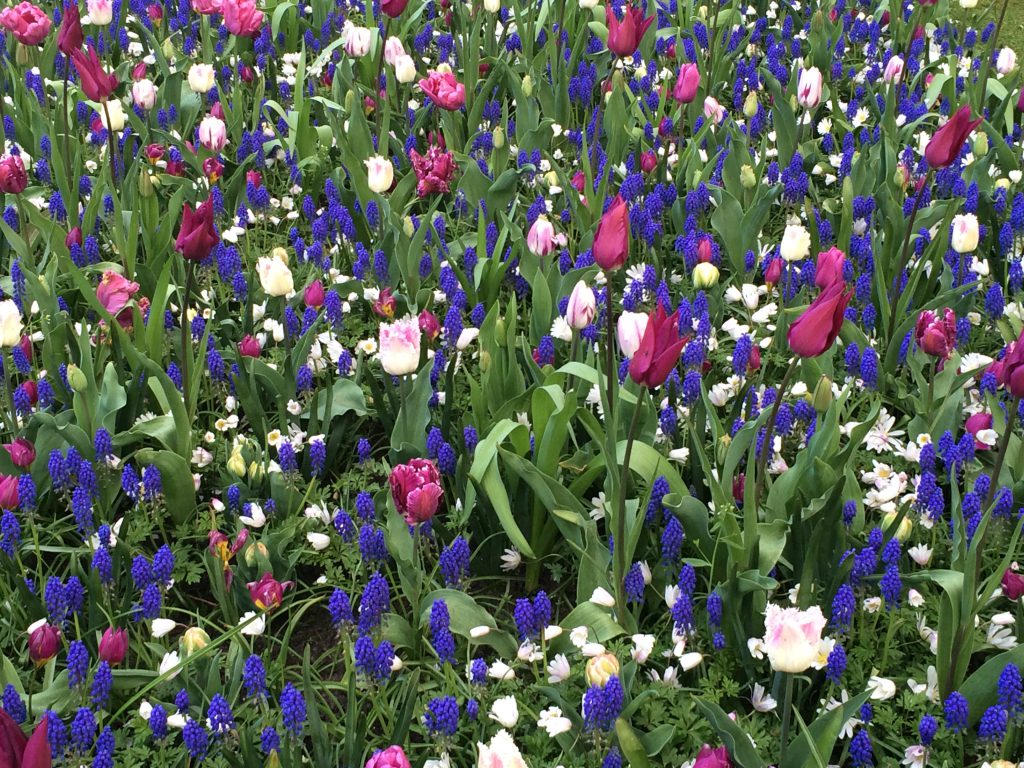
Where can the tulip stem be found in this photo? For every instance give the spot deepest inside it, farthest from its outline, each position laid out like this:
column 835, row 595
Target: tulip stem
column 787, row 713
column 610, row 371
column 894, row 290
column 186, row 336
column 67, row 126
column 619, row 542
column 1003, row 448
column 766, row 447
column 113, row 153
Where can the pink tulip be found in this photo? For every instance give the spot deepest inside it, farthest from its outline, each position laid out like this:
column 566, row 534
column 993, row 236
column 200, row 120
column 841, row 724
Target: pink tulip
column 611, row 241
column 814, row 332
column 43, row 644
column 416, row 490
column 113, row 645
column 710, row 757
column 624, row 36
column 444, row 90
column 935, row 334
column 392, row 757
column 8, row 492
column 314, row 295
column 22, row 452
column 541, row 239
column 268, row 592
column 687, row 84
column 28, row 23
column 829, row 268
column 809, row 87
column 975, row 423
column 115, row 291
column 242, row 18
column 249, row 346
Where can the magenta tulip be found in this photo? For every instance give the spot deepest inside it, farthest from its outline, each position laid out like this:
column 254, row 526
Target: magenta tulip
column 945, row 145
column 611, row 241
column 814, row 332
column 659, row 350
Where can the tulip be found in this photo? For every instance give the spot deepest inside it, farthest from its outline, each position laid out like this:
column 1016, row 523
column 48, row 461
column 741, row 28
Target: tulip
column 380, row 174
column 1006, row 62
column 393, row 48
column 648, row 161
column 113, row 645
column 434, row 170
column 93, row 79
column 829, row 268
column 582, row 307
column 1012, row 584
column 275, row 276
column 12, row 741
column 206, row 7
column 400, row 346
column 385, row 304
column 947, row 142
column 249, row 346
column 541, row 238
column 936, row 335
column 601, row 668
column 792, row 637
column 101, row 12
column 10, row 323
column 37, row 752
column 357, row 41
column 773, row 272
column 705, row 275
column 144, row 94
column 69, row 36
column 611, row 241
column 444, row 90
column 713, row 111
column 893, row 70
column 201, row 78
column 687, row 84
column 630, row 330
column 808, row 89
column 195, row 639
column 505, row 711
column 964, row 233
column 22, row 452
column 27, row 23
column 213, row 169
column 43, row 643
column 977, row 423
column 392, row 757
column 429, row 324
column 1011, row 374
column 112, row 117
column 242, row 17
column 624, row 36
column 659, row 350
column 314, row 295
column 709, row 757
column 115, row 291
column 1020, row 100
column 73, row 237
column 796, row 243
column 416, row 490
column 8, row 492
column 393, row 8
column 814, row 332
column 405, row 69
column 705, row 251
column 268, row 592
column 213, row 134
column 501, row 752
column 197, row 235
column 13, row 178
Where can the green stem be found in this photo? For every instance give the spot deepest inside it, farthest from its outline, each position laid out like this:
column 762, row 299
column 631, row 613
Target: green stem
column 186, row 336
column 766, row 448
column 787, row 713
column 1001, row 456
column 988, row 64
column 894, row 289
column 610, row 372
column 620, row 513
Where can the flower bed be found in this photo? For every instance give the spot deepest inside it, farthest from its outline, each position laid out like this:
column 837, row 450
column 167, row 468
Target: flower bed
column 511, row 384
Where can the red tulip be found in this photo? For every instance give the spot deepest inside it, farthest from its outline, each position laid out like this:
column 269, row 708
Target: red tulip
column 268, row 592
column 1013, row 584
column 69, row 36
column 12, row 741
column 31, row 391
column 8, row 492
column 444, row 90
column 624, row 36
column 37, row 752
column 314, row 295
column 26, row 346
column 393, row 8
column 1020, row 100
column 687, row 84
column 945, row 145
column 113, row 646
column 936, row 335
column 13, row 178
column 429, row 324
column 385, row 304
column 197, row 235
column 94, row 80
column 213, row 169
column 1011, row 374
column 829, row 268
column 43, row 644
column 659, row 350
column 648, row 161
column 249, row 346
column 814, row 332
column 434, row 170
column 416, row 490
column 611, row 241
column 22, row 452
column 74, row 237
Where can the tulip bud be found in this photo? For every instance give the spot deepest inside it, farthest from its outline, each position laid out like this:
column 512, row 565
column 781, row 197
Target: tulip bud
column 255, row 553
column 194, row 639
column 980, row 144
column 21, row 54
column 146, row 188
column 722, row 448
column 747, row 178
column 236, row 464
column 527, row 86
column 750, row 105
column 498, row 139
column 407, row 227
column 485, row 360
column 705, row 275
column 818, row 22
column 600, row 668
column 905, row 528
column 822, row 398
column 113, row 646
column 77, row 379
column 255, row 472
column 43, row 644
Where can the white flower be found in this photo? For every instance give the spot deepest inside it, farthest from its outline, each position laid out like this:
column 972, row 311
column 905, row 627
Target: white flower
column 579, row 636
column 551, row 632
column 881, row 436
column 881, row 688
column 482, row 631
column 558, row 669
column 160, row 627
column 170, row 661
column 915, row 598
column 762, row 701
column 692, row 660
column 920, row 554
column 499, row 670
column 319, row 541
column 796, row 243
column 593, row 649
column 914, row 756
column 505, row 711
column 1001, row 637
column 930, row 688
column 254, row 516
column 597, row 512
column 511, row 559
column 643, row 645
column 872, row 604
column 552, row 721
column 252, row 623
column 529, row 652
column 603, row 597
column 667, row 678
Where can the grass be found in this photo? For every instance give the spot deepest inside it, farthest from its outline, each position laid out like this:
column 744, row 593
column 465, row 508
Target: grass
column 1012, row 34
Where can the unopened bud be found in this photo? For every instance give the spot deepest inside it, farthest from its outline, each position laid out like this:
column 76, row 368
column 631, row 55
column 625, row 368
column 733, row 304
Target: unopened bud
column 747, row 177
column 76, row 378
column 822, row 395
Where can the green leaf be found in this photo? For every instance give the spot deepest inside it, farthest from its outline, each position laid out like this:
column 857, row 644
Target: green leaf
column 821, row 735
column 484, row 473
column 980, row 689
column 735, row 738
column 176, row 476
column 345, row 396
column 466, row 614
column 631, row 746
